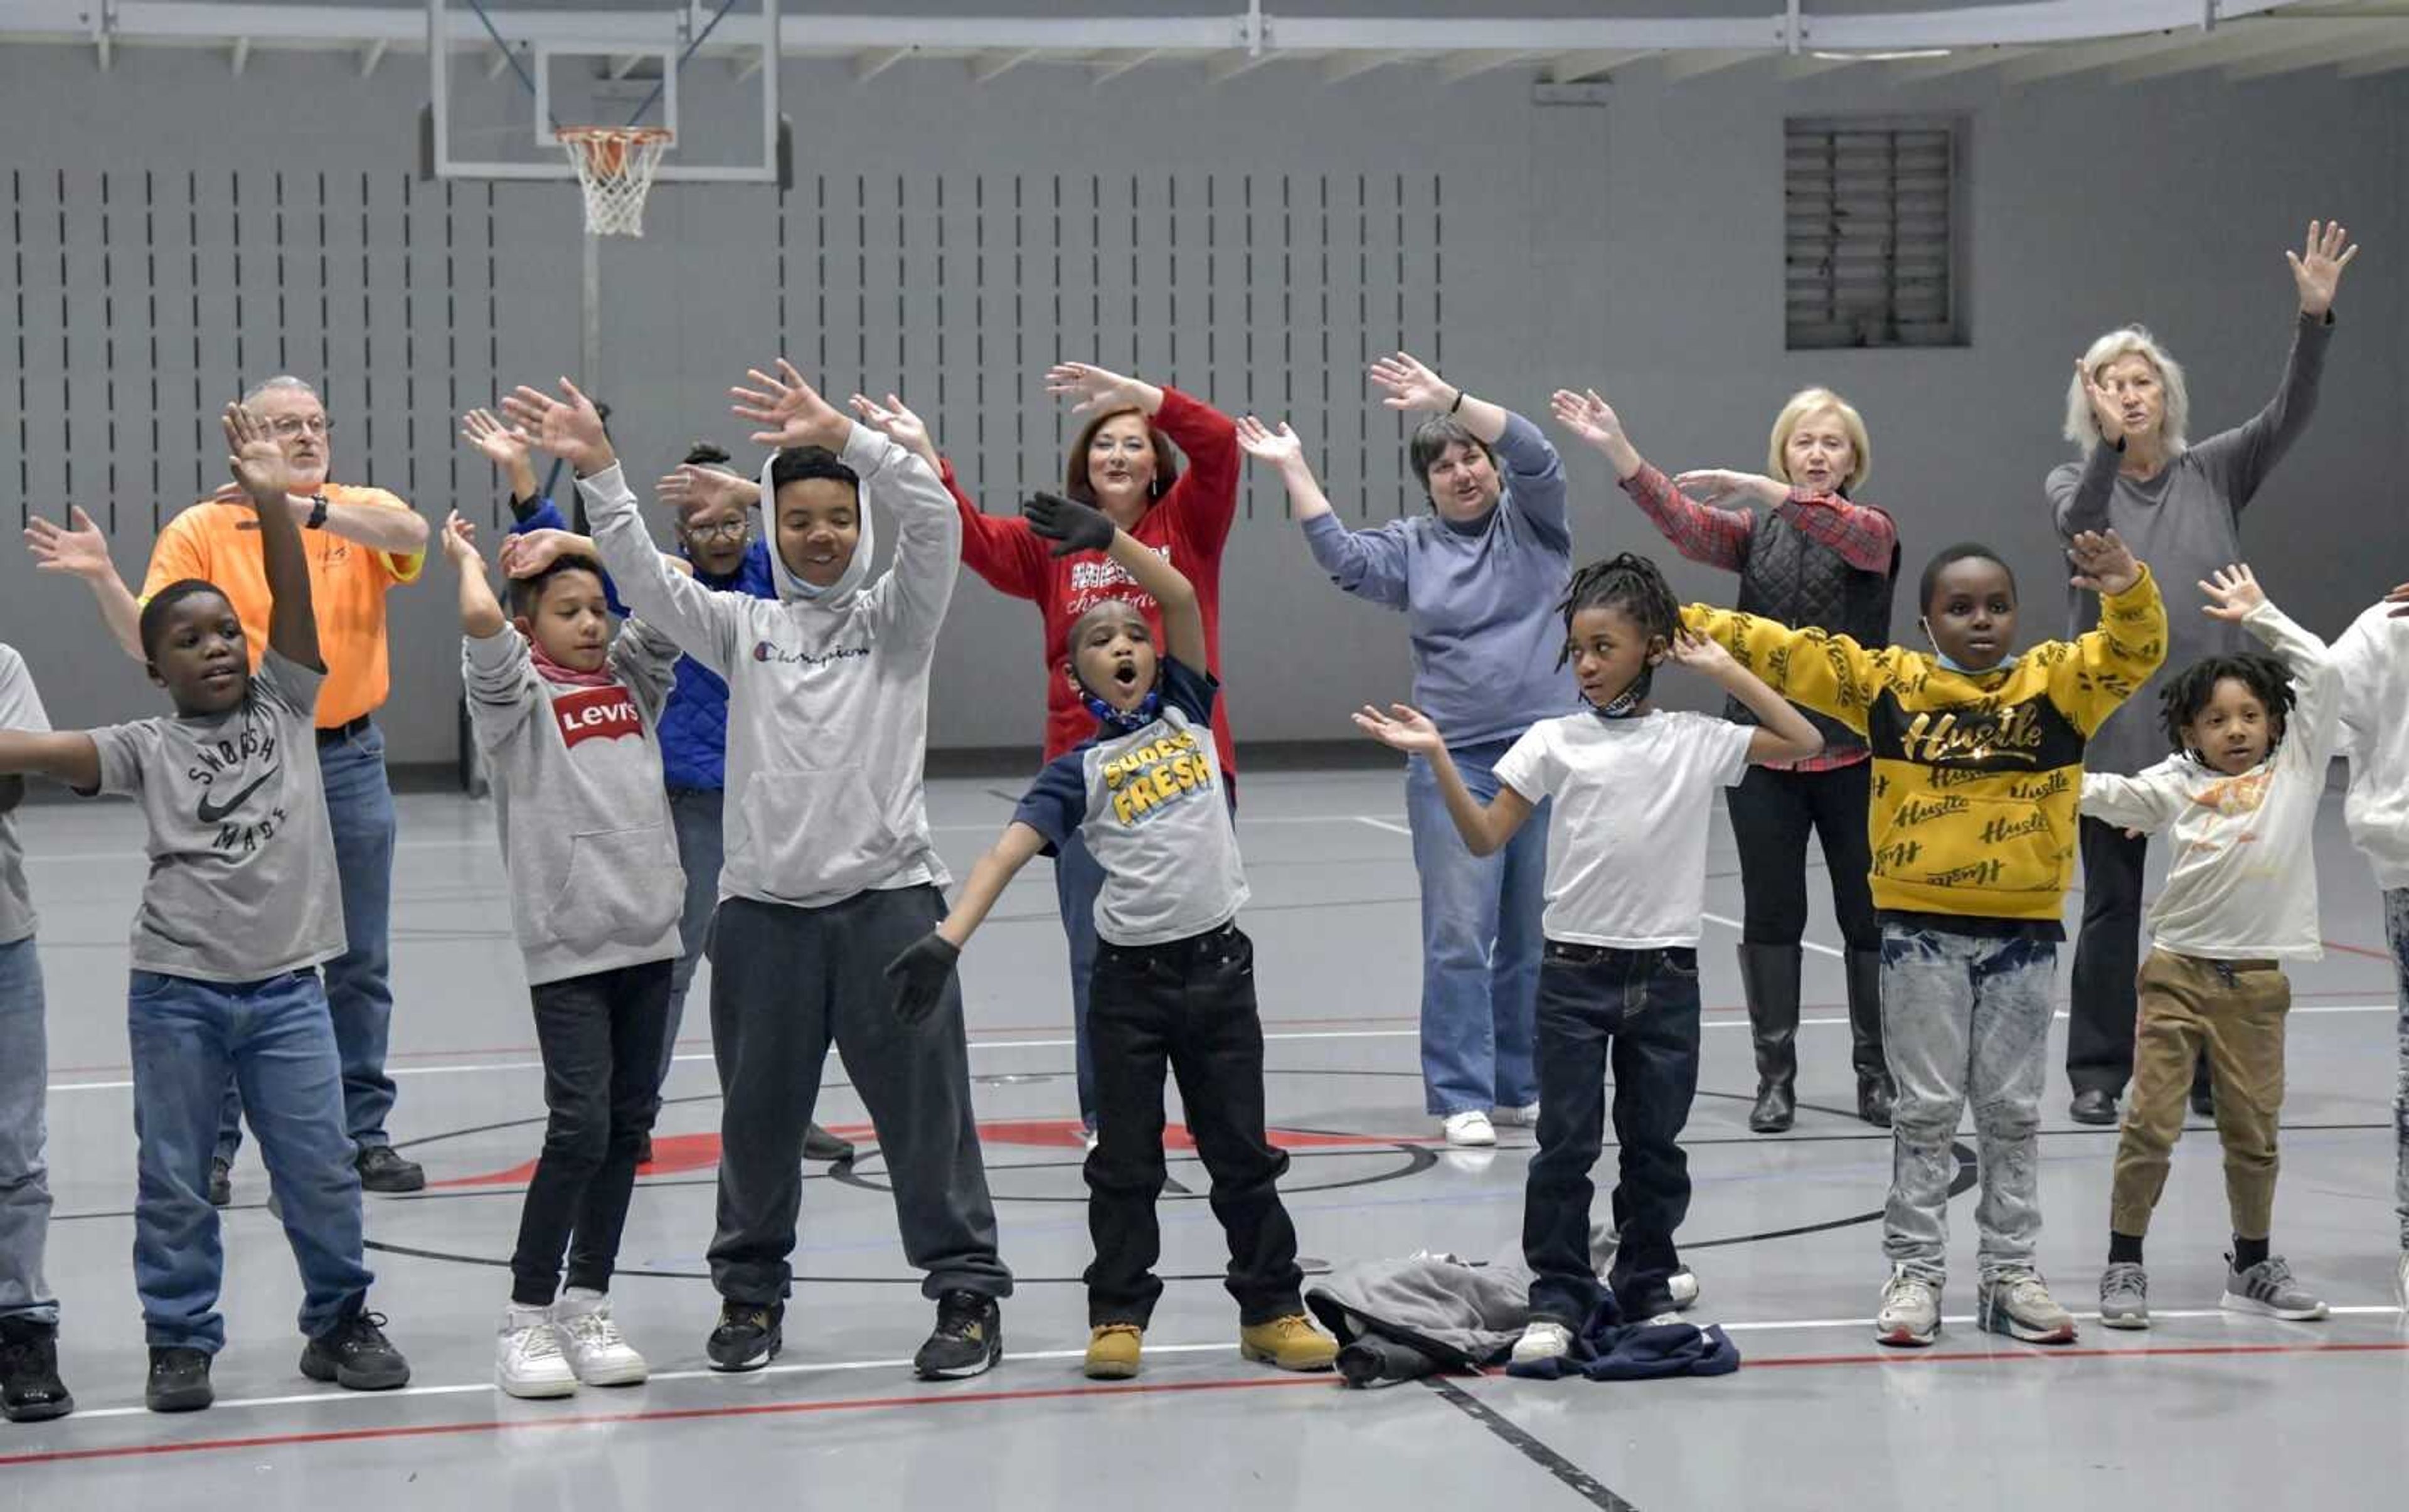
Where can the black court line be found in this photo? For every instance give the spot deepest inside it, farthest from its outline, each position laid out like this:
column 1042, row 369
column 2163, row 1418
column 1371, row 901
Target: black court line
column 1522, row 1442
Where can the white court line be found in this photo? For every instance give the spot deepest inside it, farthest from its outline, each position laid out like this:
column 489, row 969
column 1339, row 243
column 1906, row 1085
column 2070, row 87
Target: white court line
column 1382, row 824
column 338, row 1397
column 1066, row 1045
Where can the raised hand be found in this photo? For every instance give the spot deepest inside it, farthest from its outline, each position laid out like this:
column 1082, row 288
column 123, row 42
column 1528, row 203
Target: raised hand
column 920, row 975
column 1404, row 727
column 503, row 445
column 568, row 429
column 1707, row 657
column 1589, row 417
column 1093, row 389
column 1721, row 484
column 2102, row 563
column 529, row 552
column 895, row 420
column 2398, row 598
column 791, row 411
column 1281, row 448
column 2105, row 412
column 694, row 486
column 253, row 457
column 2233, row 592
column 1073, row 527
column 460, row 544
column 1409, row 385
column 2317, row 268
column 83, row 551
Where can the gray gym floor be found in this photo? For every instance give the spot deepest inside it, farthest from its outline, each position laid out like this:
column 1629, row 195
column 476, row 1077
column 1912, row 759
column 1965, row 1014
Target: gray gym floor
column 2207, row 1410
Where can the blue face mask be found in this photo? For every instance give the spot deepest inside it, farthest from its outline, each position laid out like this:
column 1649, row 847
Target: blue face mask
column 1952, row 665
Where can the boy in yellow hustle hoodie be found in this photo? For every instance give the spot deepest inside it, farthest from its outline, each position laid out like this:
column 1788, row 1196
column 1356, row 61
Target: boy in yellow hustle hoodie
column 1978, row 767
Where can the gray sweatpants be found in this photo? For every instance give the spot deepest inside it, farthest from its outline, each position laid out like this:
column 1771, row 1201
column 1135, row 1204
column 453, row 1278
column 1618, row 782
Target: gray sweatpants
column 24, row 1179
column 1964, row 1019
column 785, row 982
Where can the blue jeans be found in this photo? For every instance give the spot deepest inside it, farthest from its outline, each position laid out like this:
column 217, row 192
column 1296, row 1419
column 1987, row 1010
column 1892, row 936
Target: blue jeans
column 696, row 813
column 274, row 1040
column 1480, row 944
column 359, row 985
column 2395, row 932
column 24, row 1179
column 1636, row 1011
column 1964, row 1019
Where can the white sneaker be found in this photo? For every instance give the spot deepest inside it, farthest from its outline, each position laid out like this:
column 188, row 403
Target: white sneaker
column 1088, row 1139
column 597, row 1352
column 1542, row 1340
column 1684, row 1284
column 1525, row 1116
column 1470, row 1128
column 528, row 1362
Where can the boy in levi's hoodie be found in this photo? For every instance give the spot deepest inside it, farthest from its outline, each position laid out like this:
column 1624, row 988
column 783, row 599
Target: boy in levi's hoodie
column 829, row 872
column 566, row 719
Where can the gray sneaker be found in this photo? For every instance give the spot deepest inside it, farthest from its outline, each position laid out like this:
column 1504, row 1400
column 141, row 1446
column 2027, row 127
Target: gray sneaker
column 1910, row 1312
column 2124, row 1295
column 2268, row 1289
column 2018, row 1304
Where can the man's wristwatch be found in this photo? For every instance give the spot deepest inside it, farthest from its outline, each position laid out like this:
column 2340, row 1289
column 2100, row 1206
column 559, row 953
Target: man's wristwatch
column 317, row 520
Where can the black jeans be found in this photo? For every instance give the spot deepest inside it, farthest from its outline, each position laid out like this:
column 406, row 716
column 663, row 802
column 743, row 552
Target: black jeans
column 785, row 982
column 1639, row 1010
column 601, row 1042
column 1189, row 1005
column 2107, row 961
column 1771, row 813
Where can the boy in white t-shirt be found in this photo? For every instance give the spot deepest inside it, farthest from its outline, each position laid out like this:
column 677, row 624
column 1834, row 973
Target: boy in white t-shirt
column 2252, row 736
column 1634, row 791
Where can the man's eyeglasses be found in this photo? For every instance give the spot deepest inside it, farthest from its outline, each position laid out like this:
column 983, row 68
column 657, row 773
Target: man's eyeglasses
column 723, row 530
column 286, row 427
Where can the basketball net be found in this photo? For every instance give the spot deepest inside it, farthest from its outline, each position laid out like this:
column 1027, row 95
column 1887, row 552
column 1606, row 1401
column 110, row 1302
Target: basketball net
column 615, row 167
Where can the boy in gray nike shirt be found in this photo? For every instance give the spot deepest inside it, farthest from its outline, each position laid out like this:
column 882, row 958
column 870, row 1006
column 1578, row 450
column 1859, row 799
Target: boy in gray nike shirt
column 567, row 718
column 239, row 912
column 1174, row 979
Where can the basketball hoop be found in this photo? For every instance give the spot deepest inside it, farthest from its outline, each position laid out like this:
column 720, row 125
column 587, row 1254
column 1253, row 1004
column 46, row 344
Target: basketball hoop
column 615, row 165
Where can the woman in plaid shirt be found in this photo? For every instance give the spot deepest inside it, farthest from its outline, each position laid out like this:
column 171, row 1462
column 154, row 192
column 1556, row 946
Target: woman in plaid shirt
column 1807, row 556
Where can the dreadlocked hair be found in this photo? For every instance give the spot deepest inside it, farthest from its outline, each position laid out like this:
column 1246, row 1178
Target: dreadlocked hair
column 1629, row 583
column 2188, row 691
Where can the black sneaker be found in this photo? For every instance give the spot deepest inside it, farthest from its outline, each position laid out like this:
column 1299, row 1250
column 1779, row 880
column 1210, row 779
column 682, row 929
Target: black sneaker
column 747, row 1337
column 968, row 1342
column 180, row 1380
column 30, row 1389
column 2093, row 1105
column 355, row 1355
column 383, row 1170
column 221, row 1182
column 824, row 1148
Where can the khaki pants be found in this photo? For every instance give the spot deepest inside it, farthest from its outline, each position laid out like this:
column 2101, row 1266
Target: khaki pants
column 2236, row 1011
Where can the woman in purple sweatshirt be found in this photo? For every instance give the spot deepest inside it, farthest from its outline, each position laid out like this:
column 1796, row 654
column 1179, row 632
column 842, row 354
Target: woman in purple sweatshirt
column 1479, row 580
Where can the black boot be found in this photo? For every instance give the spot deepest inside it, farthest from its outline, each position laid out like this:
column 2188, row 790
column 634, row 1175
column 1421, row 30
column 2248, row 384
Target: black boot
column 1876, row 1092
column 30, row 1389
column 1768, row 977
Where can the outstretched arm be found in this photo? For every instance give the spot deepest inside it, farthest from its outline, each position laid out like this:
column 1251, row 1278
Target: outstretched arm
column 1485, row 830
column 66, row 756
column 1706, row 535
column 83, row 551
column 1073, row 526
column 1829, row 673
column 1369, row 564
column 259, row 470
column 993, row 871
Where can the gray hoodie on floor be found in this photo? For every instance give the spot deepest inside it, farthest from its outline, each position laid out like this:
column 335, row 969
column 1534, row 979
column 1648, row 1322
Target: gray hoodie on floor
column 828, row 693
column 593, row 857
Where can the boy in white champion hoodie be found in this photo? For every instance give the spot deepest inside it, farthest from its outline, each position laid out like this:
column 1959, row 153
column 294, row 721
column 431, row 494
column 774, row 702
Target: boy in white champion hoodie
column 2252, row 738
column 829, row 872
column 2372, row 659
column 567, row 715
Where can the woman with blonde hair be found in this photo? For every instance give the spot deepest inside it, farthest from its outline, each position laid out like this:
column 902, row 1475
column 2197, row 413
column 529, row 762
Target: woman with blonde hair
column 1808, row 555
column 2178, row 505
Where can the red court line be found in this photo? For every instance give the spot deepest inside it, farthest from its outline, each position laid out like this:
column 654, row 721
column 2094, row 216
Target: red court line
column 767, row 1409
column 2357, row 950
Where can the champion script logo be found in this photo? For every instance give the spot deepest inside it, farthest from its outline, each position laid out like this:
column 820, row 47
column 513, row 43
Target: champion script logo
column 765, row 651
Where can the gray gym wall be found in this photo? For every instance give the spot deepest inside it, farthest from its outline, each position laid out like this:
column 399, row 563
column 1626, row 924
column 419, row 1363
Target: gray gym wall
column 1633, row 246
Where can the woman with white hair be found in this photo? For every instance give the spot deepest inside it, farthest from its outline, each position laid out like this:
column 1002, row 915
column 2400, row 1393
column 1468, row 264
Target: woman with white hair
column 1807, row 555
column 2178, row 505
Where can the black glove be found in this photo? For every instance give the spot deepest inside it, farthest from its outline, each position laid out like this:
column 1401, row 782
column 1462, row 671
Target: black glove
column 920, row 975
column 1073, row 527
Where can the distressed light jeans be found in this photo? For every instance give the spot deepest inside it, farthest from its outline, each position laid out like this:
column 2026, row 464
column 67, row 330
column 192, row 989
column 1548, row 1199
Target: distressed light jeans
column 2396, row 929
column 1964, row 1019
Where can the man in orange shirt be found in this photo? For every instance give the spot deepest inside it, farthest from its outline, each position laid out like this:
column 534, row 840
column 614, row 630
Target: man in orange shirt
column 360, row 542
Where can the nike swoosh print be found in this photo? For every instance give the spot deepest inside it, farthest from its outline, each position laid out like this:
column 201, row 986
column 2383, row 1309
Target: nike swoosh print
column 211, row 812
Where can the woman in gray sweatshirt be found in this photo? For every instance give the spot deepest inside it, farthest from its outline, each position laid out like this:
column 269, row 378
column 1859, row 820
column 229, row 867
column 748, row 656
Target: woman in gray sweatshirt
column 829, row 872
column 2178, row 505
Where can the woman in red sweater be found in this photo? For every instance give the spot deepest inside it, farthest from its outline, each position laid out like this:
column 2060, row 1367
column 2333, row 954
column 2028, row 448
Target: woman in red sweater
column 1126, row 462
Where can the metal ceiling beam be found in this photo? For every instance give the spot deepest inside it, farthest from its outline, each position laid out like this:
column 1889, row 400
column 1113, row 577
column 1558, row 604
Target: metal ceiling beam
column 2234, row 44
column 240, row 56
column 1573, row 67
column 371, row 56
column 2375, row 62
column 869, row 65
column 990, row 66
column 1962, row 61
column 2334, row 50
column 1697, row 62
column 1471, row 65
column 1114, row 68
column 2059, row 62
column 1347, row 65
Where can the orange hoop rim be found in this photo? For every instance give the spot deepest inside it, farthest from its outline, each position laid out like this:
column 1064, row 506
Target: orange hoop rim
column 605, row 148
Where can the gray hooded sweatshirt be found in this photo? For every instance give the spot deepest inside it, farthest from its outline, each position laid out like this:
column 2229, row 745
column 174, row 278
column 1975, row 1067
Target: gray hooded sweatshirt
column 593, row 857
column 828, row 693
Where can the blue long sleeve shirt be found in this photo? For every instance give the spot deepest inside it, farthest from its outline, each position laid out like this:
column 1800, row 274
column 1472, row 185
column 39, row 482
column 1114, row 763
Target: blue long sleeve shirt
column 1479, row 599
column 694, row 721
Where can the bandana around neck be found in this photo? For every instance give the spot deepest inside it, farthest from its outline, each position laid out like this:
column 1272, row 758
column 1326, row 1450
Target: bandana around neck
column 554, row 671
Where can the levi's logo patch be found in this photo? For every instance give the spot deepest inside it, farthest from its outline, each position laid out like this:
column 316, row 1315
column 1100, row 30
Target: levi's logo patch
column 604, row 714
